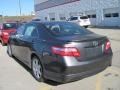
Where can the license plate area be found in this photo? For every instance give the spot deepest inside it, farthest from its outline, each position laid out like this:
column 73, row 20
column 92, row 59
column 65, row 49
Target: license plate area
column 94, row 51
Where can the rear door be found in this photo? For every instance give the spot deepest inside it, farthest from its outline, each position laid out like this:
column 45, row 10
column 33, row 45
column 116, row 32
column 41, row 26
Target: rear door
column 27, row 42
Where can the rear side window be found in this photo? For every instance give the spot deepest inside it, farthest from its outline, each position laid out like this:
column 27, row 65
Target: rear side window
column 31, row 31
column 9, row 26
column 20, row 30
column 65, row 28
column 74, row 18
column 84, row 17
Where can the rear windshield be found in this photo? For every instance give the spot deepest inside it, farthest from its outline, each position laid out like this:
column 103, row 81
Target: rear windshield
column 84, row 17
column 10, row 26
column 66, row 28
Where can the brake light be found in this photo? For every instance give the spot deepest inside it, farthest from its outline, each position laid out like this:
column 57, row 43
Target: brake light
column 107, row 45
column 65, row 51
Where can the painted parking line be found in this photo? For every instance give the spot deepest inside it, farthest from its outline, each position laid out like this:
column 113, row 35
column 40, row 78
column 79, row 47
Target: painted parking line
column 45, row 87
column 99, row 82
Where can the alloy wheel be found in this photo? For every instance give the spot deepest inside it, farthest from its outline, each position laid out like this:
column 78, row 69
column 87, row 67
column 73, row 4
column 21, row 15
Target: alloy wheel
column 37, row 69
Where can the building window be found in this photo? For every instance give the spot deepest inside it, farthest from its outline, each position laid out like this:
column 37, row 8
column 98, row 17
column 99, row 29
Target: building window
column 109, row 15
column 115, row 14
column 52, row 19
column 92, row 16
column 89, row 16
column 62, row 18
column 45, row 18
column 52, row 16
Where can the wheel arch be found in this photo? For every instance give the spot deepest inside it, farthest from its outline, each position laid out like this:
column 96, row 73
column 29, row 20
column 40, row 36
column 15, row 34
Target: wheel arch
column 35, row 55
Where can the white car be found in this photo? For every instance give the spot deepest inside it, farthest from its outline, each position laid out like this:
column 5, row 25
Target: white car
column 81, row 20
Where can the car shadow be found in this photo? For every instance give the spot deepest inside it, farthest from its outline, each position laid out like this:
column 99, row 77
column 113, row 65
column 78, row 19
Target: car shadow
column 49, row 82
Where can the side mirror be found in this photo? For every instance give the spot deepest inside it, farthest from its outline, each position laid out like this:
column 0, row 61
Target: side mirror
column 12, row 33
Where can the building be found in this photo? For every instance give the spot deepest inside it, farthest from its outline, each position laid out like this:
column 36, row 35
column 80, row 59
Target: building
column 100, row 12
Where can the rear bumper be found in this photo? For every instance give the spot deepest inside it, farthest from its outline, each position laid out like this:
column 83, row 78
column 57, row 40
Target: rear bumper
column 84, row 24
column 77, row 72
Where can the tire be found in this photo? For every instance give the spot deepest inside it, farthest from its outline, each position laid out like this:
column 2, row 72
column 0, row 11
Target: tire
column 9, row 50
column 37, row 69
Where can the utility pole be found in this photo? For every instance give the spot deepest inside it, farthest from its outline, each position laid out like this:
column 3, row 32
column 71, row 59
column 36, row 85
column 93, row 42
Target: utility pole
column 1, row 17
column 20, row 7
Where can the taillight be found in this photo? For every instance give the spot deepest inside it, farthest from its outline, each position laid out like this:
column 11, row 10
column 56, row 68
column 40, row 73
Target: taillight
column 107, row 45
column 65, row 51
column 5, row 33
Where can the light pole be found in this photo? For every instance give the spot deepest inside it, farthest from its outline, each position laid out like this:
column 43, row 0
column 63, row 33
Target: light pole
column 20, row 7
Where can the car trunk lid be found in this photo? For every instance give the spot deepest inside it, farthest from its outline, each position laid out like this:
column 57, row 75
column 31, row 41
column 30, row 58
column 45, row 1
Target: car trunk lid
column 90, row 45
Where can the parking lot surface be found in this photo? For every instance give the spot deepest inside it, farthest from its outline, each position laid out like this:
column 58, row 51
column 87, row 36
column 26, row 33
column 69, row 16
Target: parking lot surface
column 15, row 76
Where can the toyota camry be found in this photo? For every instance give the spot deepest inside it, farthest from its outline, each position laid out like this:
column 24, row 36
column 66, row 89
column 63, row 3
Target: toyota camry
column 60, row 51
